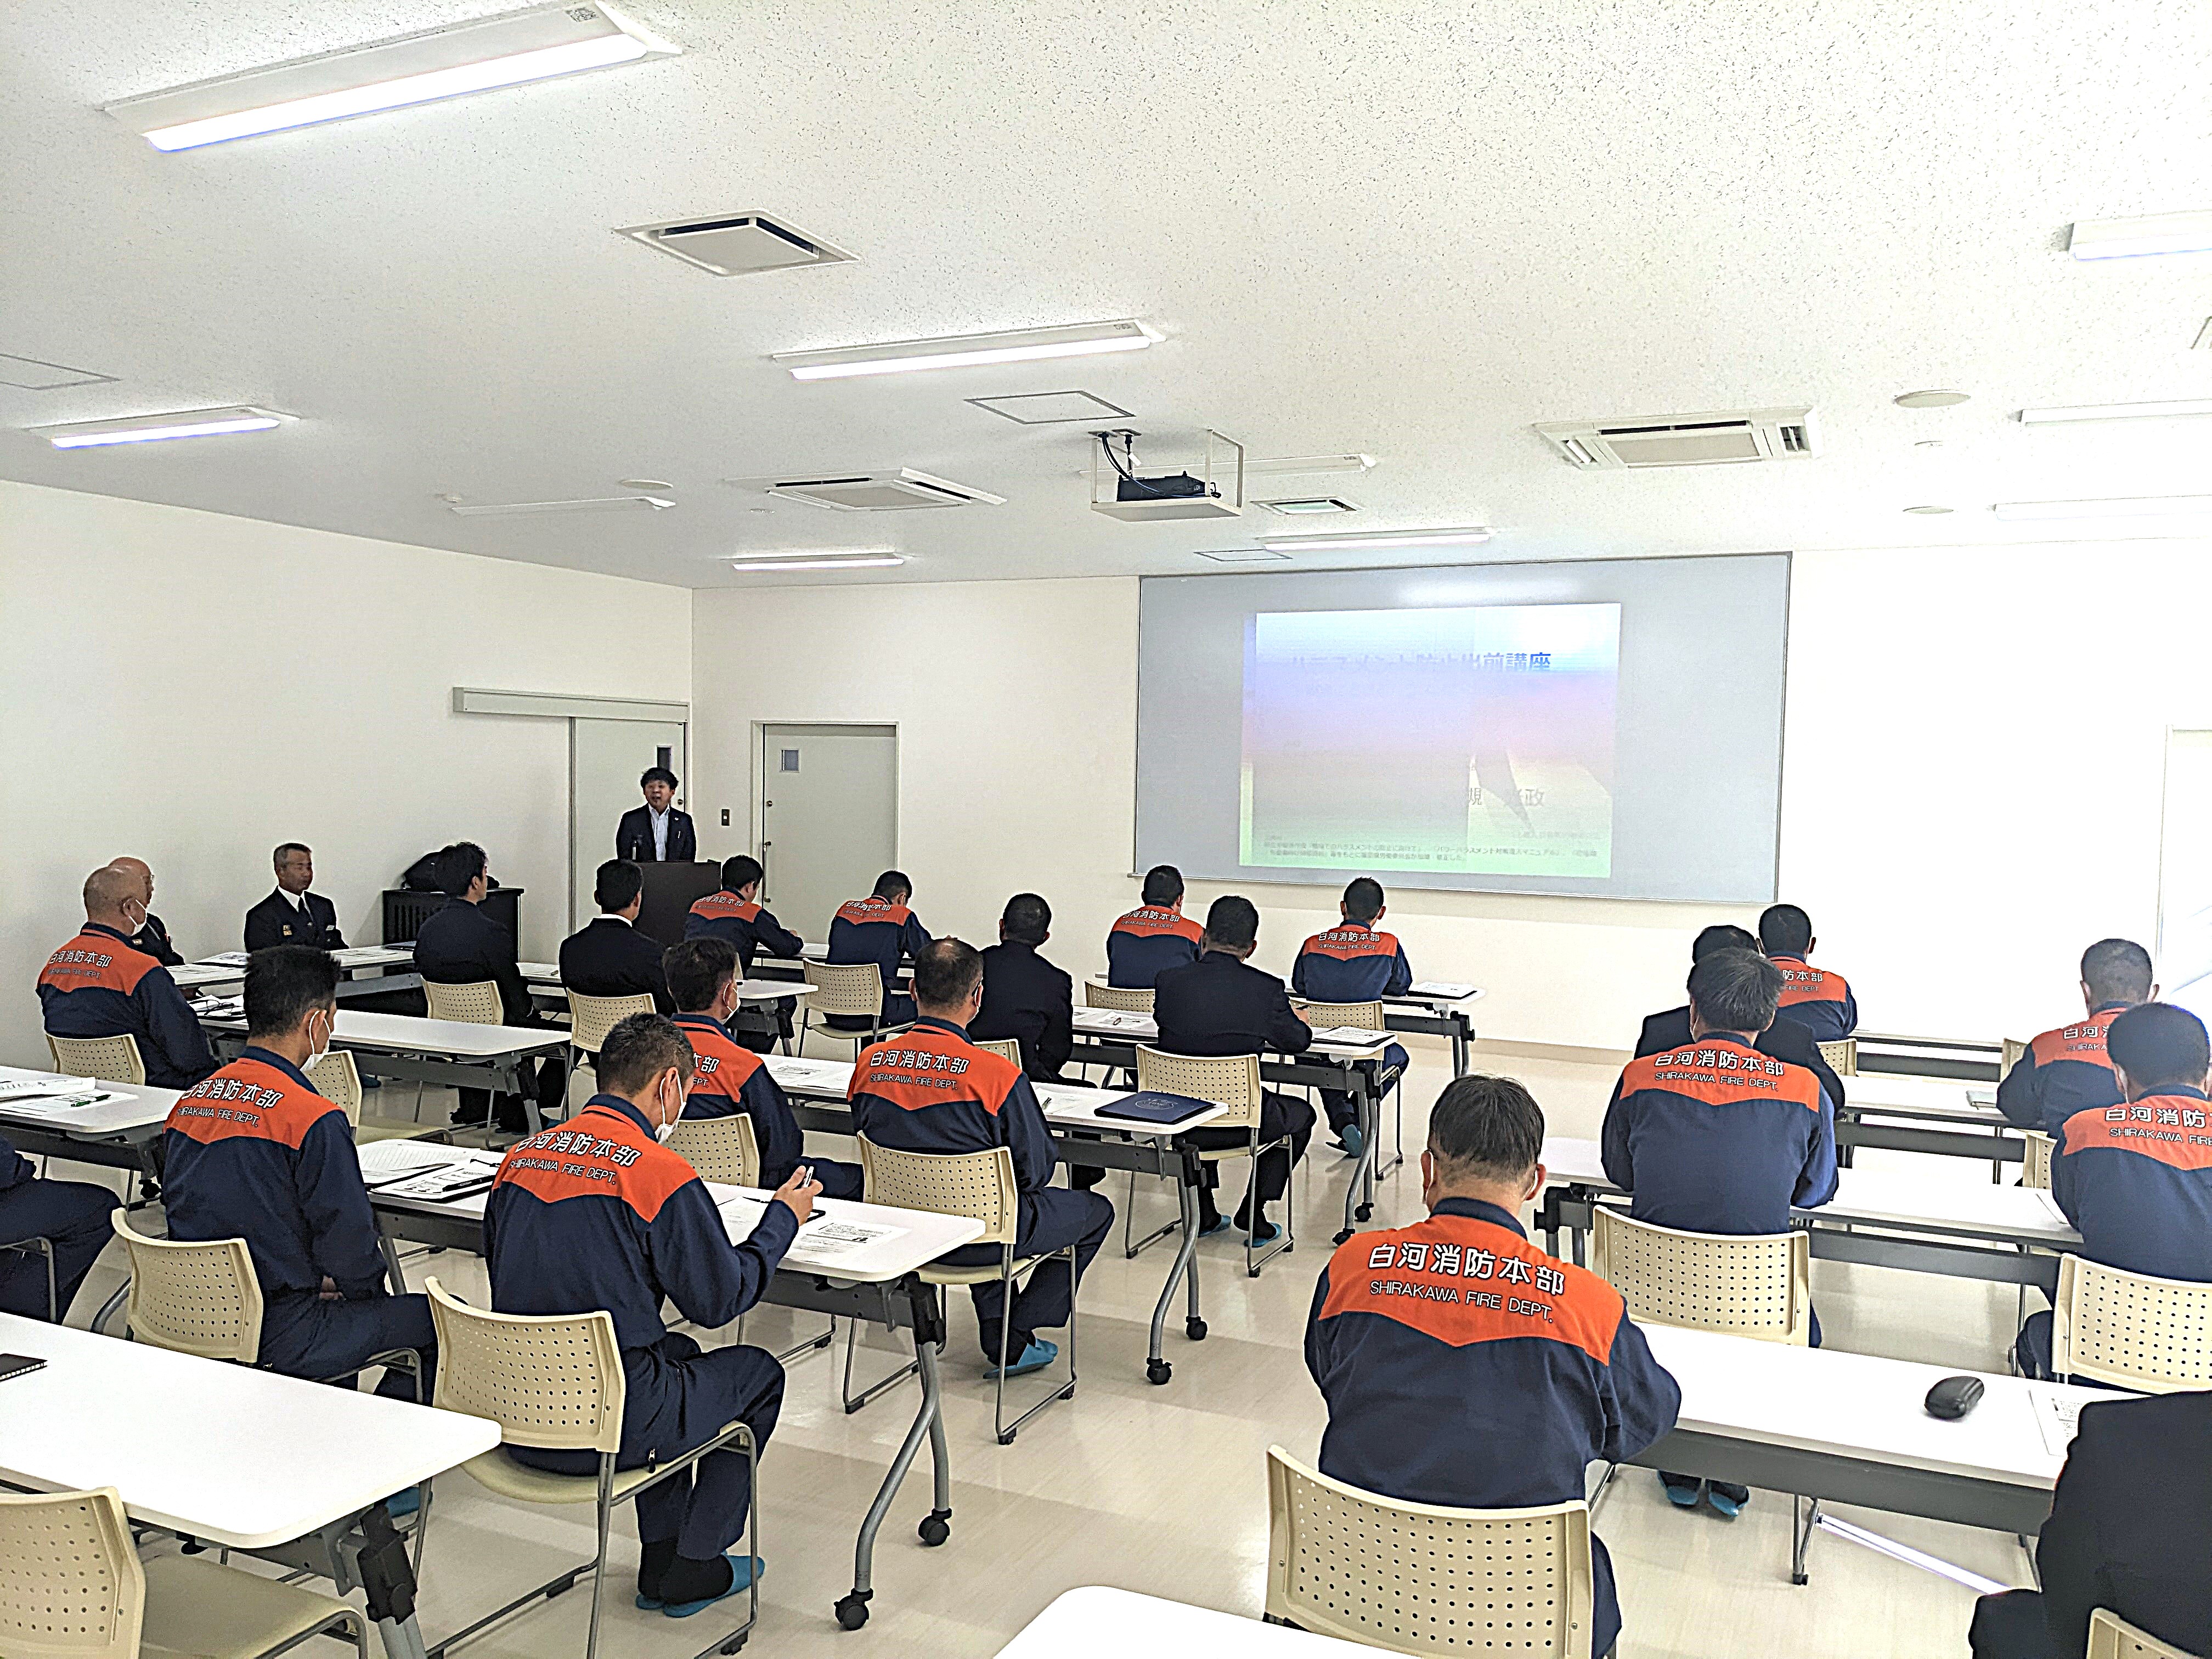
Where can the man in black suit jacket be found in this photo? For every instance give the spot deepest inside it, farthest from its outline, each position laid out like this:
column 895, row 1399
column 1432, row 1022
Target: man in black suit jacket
column 1218, row 1004
column 459, row 945
column 1025, row 996
column 1784, row 1040
column 2130, row 1530
column 153, row 935
column 292, row 915
column 657, row 833
column 610, row 957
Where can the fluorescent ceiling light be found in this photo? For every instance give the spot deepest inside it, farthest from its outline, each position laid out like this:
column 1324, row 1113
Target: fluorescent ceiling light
column 581, row 504
column 154, row 428
column 2115, row 411
column 2129, row 238
column 956, row 350
column 415, row 68
column 773, row 561
column 1393, row 538
column 2126, row 506
column 1301, row 465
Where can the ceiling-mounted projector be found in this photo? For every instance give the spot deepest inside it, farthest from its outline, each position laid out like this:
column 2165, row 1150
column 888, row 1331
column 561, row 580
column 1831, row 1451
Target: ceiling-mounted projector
column 1121, row 491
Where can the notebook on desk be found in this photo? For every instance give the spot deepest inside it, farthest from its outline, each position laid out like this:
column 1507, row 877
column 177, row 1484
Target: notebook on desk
column 1150, row 1106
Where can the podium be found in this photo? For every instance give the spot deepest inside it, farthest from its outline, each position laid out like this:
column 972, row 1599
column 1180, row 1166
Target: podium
column 671, row 890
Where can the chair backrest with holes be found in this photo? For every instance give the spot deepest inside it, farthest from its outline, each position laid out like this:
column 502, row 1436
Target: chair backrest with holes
column 1005, row 1047
column 854, row 988
column 2112, row 1637
column 198, row 1298
column 70, row 1584
column 1417, row 1578
column 2130, row 1330
column 590, row 1018
column 719, row 1148
column 1128, row 999
column 476, row 1003
column 1230, row 1080
column 335, row 1077
column 2035, row 1158
column 552, row 1380
column 1842, row 1055
column 2013, row 1051
column 1321, row 1016
column 1756, row 1284
column 978, row 1184
column 109, row 1058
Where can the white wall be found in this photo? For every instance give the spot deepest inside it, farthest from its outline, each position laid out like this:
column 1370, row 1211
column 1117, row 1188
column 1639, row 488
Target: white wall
column 1972, row 784
column 192, row 689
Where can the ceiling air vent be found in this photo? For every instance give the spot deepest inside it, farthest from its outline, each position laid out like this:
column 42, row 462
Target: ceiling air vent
column 736, row 244
column 881, row 492
column 1759, row 434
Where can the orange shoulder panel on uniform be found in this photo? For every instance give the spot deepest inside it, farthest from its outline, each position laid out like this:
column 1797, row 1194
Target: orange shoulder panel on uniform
column 2174, row 1129
column 1147, row 922
column 596, row 1154
column 1801, row 982
column 723, row 1067
column 1462, row 1280
column 1722, row 1074
column 928, row 1066
column 94, row 961
column 1345, row 943
column 2084, row 1041
column 861, row 911
column 252, row 1100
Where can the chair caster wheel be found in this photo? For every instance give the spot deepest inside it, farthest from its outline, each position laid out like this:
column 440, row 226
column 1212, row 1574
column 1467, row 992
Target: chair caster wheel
column 1366, row 1211
column 1194, row 1329
column 1341, row 1236
column 736, row 1644
column 1007, row 1438
column 852, row 1611
column 1158, row 1371
column 935, row 1530
column 1800, row 1578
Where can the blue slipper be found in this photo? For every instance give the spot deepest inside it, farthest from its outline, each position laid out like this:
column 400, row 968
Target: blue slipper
column 1219, row 1224
column 401, row 1504
column 1724, row 1500
column 1265, row 1233
column 743, row 1569
column 1683, row 1494
column 1039, row 1354
column 1351, row 1141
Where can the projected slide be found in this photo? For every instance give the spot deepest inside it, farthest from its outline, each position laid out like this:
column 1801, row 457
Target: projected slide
column 1472, row 740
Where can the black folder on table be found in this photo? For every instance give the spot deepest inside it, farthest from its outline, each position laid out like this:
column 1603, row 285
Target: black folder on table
column 1150, row 1106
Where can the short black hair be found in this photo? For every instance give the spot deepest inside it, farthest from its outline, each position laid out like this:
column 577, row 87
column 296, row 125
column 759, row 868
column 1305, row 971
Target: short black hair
column 894, row 884
column 1232, row 922
column 459, row 865
column 1720, row 936
column 1027, row 919
column 1486, row 1129
column 618, row 882
column 740, row 871
column 944, row 972
column 657, row 775
column 639, row 1049
column 1363, row 898
column 697, row 970
column 1735, row 991
column 2158, row 1044
column 1163, row 885
column 2117, row 970
column 1784, row 931
column 277, row 858
column 283, row 984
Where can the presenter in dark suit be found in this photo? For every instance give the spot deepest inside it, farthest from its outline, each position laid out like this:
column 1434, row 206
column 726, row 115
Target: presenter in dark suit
column 1784, row 1040
column 1025, row 996
column 657, row 832
column 2129, row 1531
column 460, row 945
column 610, row 957
column 292, row 915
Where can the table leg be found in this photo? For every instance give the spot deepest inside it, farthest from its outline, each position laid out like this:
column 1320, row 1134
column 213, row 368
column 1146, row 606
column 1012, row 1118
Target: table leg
column 853, row 1608
column 1157, row 1369
column 1359, row 1191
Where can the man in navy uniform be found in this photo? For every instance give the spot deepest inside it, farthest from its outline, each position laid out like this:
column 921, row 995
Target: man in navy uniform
column 658, row 832
column 292, row 915
column 1353, row 962
column 151, row 936
column 730, row 1079
column 254, row 1152
column 930, row 1090
column 597, row 1214
column 608, row 956
column 1220, row 1005
column 1816, row 998
column 1025, row 996
column 2135, row 1178
column 1464, row 1367
column 1718, row 1138
column 101, row 985
column 881, row 929
column 1784, row 1040
column 1155, row 936
column 72, row 1216
column 462, row 944
column 735, row 914
column 2067, row 1069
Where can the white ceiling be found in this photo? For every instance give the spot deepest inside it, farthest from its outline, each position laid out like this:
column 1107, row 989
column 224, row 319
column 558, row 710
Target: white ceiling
column 1411, row 229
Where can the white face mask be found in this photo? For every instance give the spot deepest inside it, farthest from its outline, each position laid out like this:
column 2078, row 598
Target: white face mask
column 316, row 1056
column 663, row 1131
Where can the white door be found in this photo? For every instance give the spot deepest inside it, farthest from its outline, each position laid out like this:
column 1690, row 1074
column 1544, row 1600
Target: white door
column 828, row 816
column 605, row 759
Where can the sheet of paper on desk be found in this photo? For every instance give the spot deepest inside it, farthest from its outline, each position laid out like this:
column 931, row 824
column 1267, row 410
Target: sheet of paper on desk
column 1351, row 1036
column 1985, row 1097
column 58, row 1107
column 1108, row 1019
column 816, row 1073
column 38, row 1086
column 228, row 959
column 2050, row 1204
column 389, row 1160
column 1448, row 990
column 2059, row 1417
column 451, row 1181
column 824, row 1237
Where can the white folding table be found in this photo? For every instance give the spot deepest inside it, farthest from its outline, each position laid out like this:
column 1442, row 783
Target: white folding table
column 1097, row 1623
column 122, row 1133
column 232, row 1456
column 1942, row 1116
column 446, row 1051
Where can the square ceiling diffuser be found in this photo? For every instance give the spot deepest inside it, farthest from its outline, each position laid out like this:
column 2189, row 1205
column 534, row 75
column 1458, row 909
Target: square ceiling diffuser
column 1047, row 408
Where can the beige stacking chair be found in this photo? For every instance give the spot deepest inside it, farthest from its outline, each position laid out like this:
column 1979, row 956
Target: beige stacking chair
column 108, row 1059
column 589, row 1019
column 845, row 988
column 1233, row 1081
column 2130, row 1329
column 2112, row 1637
column 337, row 1077
column 1842, row 1056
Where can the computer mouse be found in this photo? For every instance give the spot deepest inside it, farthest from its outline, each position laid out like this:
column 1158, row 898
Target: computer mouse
column 1954, row 1396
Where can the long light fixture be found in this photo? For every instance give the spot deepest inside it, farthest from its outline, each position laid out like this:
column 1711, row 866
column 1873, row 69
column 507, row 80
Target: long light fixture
column 959, row 351
column 2131, row 239
column 416, row 68
column 2125, row 507
column 2115, row 411
column 805, row 558
column 579, row 504
column 1466, row 537
column 157, row 428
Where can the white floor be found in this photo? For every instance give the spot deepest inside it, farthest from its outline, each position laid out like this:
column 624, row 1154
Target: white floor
column 1163, row 1489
